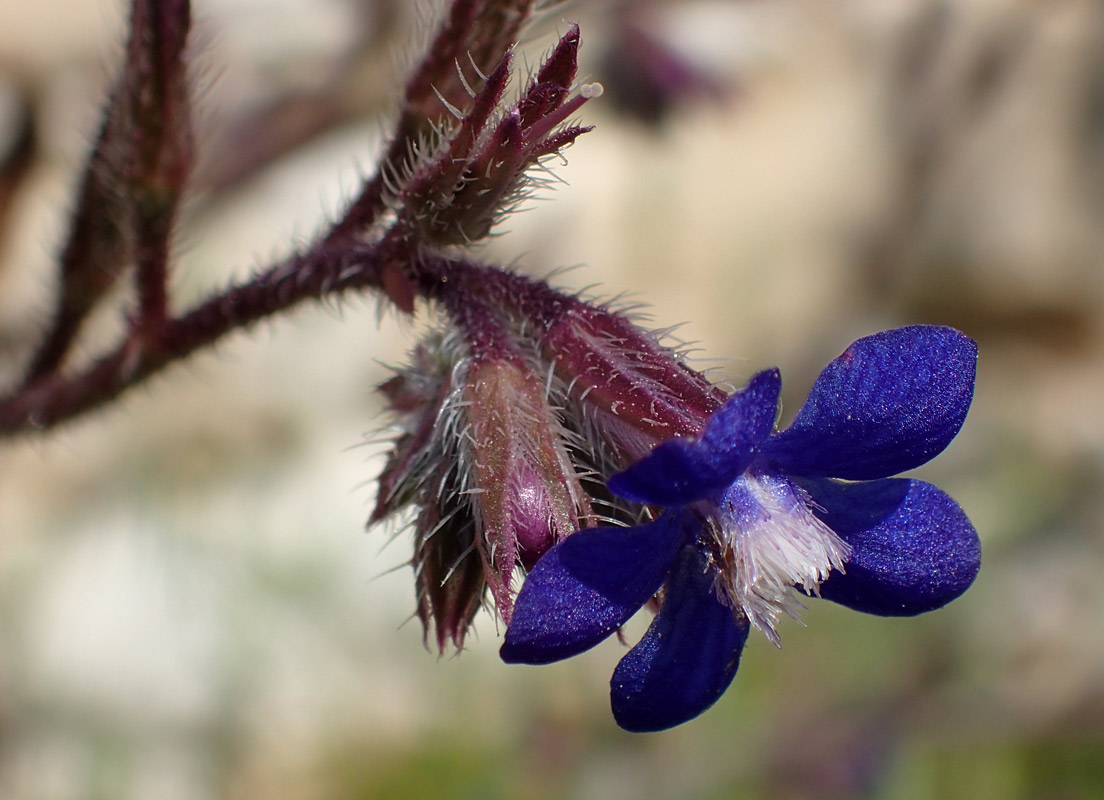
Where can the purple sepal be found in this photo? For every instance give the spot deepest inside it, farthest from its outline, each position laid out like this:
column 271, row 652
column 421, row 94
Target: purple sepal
column 687, row 658
column 588, row 586
column 679, row 471
column 912, row 548
column 889, row 403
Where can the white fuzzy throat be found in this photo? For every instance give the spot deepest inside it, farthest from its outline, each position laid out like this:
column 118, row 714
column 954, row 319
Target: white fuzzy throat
column 771, row 543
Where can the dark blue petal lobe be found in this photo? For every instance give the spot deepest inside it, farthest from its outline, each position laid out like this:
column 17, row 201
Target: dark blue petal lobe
column 680, row 471
column 687, row 658
column 889, row 403
column 913, row 548
column 588, row 586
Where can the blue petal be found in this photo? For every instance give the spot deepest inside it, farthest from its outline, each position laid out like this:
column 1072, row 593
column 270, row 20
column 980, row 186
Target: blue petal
column 912, row 548
column 588, row 586
column 687, row 658
column 890, row 403
column 679, row 471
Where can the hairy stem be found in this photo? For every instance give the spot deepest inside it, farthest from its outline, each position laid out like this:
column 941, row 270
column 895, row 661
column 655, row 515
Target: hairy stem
column 316, row 274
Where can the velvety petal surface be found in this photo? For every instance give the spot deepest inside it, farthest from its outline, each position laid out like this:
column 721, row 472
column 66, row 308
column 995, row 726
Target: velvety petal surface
column 687, row 658
column 588, row 586
column 680, row 471
column 912, row 548
column 889, row 403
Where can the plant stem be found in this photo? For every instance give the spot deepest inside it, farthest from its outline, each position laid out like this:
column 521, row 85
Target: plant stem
column 320, row 272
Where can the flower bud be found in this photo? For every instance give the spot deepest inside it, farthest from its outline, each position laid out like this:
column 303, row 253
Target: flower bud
column 448, row 571
column 483, row 460
column 419, row 394
column 457, row 189
column 424, row 471
column 526, row 493
column 633, row 390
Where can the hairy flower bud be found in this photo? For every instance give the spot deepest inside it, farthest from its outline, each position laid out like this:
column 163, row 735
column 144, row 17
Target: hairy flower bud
column 633, row 390
column 457, row 188
column 420, row 395
column 424, row 471
column 449, row 573
column 526, row 494
column 485, row 463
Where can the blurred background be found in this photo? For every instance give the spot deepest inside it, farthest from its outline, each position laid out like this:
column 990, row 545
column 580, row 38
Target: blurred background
column 189, row 604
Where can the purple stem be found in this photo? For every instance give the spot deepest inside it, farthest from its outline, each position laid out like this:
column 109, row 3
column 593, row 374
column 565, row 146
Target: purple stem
column 318, row 273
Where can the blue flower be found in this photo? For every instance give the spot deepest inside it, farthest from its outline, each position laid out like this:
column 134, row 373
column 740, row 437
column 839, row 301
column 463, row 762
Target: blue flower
column 755, row 516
